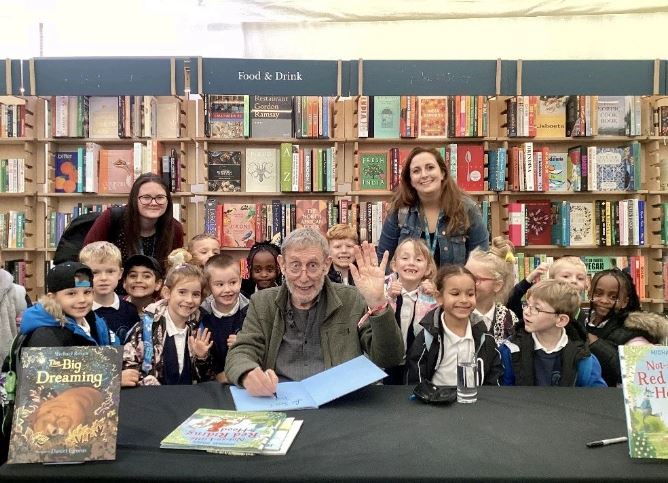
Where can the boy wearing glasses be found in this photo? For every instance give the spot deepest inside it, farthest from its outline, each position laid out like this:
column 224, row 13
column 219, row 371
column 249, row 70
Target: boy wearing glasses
column 545, row 350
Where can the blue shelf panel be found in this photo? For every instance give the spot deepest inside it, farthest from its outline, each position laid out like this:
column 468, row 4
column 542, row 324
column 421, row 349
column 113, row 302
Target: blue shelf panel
column 508, row 78
column 425, row 77
column 103, row 76
column 269, row 77
column 588, row 77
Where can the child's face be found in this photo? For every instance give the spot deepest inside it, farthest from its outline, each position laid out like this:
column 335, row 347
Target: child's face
column 606, row 296
column 183, row 298
column 342, row 253
column 411, row 267
column 140, row 282
column 105, row 277
column 265, row 270
column 576, row 276
column 539, row 316
column 458, row 297
column 203, row 250
column 75, row 302
column 225, row 285
column 487, row 285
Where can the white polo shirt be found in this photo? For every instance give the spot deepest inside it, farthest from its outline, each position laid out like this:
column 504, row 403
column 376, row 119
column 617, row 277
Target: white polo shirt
column 446, row 370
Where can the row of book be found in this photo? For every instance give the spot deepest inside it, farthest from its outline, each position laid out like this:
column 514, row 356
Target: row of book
column 580, row 168
column 13, row 120
column 391, row 117
column 564, row 223
column 12, row 229
column 292, row 168
column 238, row 117
column 18, row 270
column 114, row 117
column 95, row 169
column 564, row 116
column 636, row 266
column 12, row 175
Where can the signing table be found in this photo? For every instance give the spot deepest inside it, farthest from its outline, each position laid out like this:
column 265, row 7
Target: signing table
column 378, row 434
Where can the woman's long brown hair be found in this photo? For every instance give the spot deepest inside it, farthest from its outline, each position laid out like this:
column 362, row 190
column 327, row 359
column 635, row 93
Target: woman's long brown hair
column 452, row 198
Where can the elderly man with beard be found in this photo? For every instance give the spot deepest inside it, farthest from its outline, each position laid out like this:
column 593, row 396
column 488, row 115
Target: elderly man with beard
column 309, row 324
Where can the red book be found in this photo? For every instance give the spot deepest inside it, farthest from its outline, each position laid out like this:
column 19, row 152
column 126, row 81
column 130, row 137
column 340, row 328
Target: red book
column 515, row 219
column 470, row 167
column 238, row 225
column 538, row 220
column 312, row 214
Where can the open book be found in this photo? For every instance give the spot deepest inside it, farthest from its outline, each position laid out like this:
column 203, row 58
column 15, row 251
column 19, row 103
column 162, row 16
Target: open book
column 313, row 391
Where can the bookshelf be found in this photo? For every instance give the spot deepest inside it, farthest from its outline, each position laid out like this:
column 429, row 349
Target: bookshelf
column 346, row 82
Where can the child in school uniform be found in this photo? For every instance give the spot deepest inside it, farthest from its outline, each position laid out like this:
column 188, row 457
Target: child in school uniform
column 64, row 317
column 202, row 247
column 543, row 351
column 224, row 310
column 493, row 271
column 104, row 259
column 166, row 347
column 615, row 319
column 342, row 240
column 447, row 331
column 263, row 268
column 142, row 280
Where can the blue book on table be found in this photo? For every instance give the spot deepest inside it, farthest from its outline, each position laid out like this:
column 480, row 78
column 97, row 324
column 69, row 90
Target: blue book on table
column 313, row 391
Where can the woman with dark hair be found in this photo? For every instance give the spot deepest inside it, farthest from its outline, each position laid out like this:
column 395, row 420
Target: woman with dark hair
column 428, row 204
column 147, row 225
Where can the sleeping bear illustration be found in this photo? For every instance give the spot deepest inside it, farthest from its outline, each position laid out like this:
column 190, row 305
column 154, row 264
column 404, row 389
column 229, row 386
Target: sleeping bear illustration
column 67, row 410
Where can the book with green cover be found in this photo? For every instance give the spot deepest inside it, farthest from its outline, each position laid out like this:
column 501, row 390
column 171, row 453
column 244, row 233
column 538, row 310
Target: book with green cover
column 220, row 430
column 67, row 405
column 386, row 116
column 644, row 381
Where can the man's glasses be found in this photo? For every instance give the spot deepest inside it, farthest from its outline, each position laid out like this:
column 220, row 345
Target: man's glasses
column 296, row 268
column 532, row 310
column 147, row 199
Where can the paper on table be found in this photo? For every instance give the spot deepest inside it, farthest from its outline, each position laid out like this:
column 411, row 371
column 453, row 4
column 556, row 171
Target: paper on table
column 313, row 391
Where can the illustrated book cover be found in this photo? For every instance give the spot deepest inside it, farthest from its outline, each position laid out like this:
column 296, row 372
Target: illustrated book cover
column 227, row 116
column 313, row 391
column 372, row 171
column 312, row 214
column 645, row 386
column 261, row 170
column 67, row 172
column 226, row 431
column 116, row 170
column 224, row 171
column 238, row 225
column 551, row 116
column 67, row 405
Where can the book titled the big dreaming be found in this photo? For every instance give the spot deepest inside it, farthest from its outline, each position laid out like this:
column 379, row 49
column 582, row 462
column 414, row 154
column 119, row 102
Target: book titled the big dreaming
column 67, row 405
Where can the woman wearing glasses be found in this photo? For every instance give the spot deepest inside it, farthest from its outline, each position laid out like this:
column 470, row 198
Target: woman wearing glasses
column 148, row 227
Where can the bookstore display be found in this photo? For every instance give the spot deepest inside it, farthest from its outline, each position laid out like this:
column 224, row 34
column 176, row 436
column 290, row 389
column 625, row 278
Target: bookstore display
column 578, row 175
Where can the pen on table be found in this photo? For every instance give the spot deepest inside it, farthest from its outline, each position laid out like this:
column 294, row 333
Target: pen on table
column 606, row 442
column 275, row 396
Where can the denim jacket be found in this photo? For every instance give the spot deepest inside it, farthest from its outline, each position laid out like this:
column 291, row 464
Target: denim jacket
column 453, row 248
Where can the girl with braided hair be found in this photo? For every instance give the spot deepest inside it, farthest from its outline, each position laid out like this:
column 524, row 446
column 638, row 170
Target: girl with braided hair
column 263, row 268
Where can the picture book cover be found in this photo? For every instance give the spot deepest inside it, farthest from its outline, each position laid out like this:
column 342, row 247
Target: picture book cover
column 226, row 116
column 67, row 405
column 224, row 171
column 261, row 170
column 432, row 117
column 67, row 172
column 612, row 116
column 220, row 429
column 238, row 225
column 471, row 167
column 582, row 224
column 611, row 170
column 312, row 214
column 373, row 171
column 557, row 172
column 644, row 376
column 116, row 170
column 271, row 117
column 386, row 116
column 551, row 116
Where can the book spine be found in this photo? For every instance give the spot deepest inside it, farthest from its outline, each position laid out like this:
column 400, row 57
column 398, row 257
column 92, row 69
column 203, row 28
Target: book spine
column 286, row 167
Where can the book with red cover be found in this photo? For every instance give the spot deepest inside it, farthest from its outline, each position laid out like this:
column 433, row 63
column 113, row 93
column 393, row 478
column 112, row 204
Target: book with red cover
column 238, row 225
column 538, row 219
column 515, row 222
column 312, row 214
column 470, row 167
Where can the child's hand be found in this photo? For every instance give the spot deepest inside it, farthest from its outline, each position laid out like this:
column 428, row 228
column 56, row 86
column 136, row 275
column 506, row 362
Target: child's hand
column 231, row 340
column 428, row 287
column 539, row 271
column 395, row 289
column 200, row 344
column 129, row 378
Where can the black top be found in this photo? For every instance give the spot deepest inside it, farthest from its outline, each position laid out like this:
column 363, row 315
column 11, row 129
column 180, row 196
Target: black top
column 221, row 328
column 119, row 321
